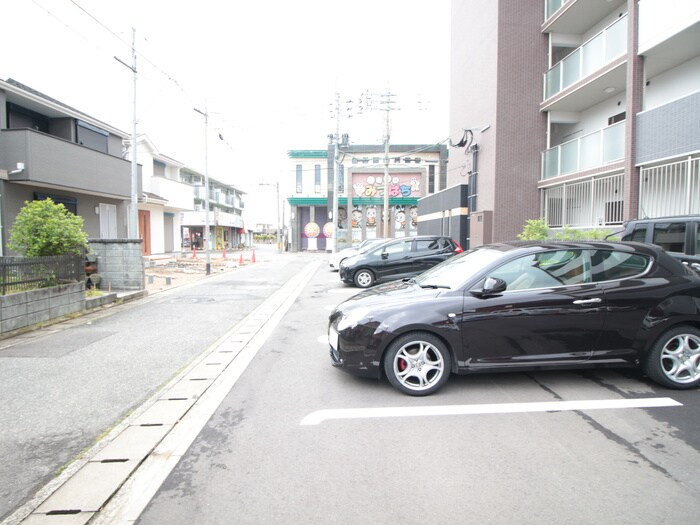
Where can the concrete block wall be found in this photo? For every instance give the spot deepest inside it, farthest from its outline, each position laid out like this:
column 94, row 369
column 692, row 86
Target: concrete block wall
column 119, row 263
column 19, row 310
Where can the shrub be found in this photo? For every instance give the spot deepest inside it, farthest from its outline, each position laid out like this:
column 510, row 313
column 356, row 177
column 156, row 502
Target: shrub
column 43, row 227
column 537, row 230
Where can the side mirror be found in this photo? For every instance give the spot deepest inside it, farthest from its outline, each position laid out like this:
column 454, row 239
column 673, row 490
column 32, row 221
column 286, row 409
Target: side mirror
column 492, row 286
column 385, row 255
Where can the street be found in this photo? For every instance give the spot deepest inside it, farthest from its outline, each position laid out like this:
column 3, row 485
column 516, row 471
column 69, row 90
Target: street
column 256, row 462
column 266, row 452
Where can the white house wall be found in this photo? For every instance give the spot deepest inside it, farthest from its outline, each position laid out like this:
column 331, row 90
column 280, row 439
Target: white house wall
column 673, row 84
column 661, row 19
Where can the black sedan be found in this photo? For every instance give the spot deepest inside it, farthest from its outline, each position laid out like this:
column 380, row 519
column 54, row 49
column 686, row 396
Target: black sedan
column 397, row 259
column 523, row 306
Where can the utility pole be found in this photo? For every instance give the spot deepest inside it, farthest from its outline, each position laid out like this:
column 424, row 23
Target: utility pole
column 205, row 113
column 279, row 224
column 336, row 173
column 387, row 178
column 133, row 221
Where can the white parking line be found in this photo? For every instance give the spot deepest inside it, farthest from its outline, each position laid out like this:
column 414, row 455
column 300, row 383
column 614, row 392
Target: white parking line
column 320, row 416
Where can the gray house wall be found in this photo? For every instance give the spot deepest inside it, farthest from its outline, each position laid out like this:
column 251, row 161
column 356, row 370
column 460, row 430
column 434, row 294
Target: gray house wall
column 669, row 131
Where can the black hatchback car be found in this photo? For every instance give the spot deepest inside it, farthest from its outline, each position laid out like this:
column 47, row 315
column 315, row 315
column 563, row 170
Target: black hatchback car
column 522, row 306
column 397, row 259
column 679, row 236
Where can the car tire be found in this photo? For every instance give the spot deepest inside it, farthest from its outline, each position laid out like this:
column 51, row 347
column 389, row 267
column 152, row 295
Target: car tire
column 417, row 364
column 363, row 278
column 674, row 360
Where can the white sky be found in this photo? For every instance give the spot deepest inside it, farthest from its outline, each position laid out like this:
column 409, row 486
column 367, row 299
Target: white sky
column 267, row 71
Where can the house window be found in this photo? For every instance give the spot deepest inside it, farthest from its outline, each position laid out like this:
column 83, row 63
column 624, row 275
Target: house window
column 91, row 136
column 158, row 169
column 299, row 178
column 616, row 118
column 70, row 203
column 317, row 178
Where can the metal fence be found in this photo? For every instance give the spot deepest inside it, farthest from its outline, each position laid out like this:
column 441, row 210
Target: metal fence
column 592, row 203
column 670, row 189
column 18, row 274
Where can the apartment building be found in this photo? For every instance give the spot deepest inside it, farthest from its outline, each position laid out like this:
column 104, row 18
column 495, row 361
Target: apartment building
column 605, row 134
column 225, row 214
column 415, row 170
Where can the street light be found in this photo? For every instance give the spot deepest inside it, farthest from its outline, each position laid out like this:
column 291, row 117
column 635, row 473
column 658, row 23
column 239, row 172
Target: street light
column 206, row 186
column 279, row 239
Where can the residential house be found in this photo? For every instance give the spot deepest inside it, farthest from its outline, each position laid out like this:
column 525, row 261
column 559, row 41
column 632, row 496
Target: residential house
column 48, row 149
column 583, row 112
column 165, row 195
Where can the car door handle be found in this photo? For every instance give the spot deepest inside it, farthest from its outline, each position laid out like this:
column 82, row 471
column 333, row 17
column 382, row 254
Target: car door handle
column 588, row 301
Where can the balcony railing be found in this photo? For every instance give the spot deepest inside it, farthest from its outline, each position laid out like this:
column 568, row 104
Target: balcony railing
column 600, row 50
column 585, row 204
column 670, row 189
column 590, row 151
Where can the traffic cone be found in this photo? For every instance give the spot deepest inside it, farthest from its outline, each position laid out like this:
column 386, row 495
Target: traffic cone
column 223, row 254
column 240, row 261
column 194, row 252
column 253, row 258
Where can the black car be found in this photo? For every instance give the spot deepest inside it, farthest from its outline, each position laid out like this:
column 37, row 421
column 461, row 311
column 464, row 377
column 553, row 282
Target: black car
column 679, row 236
column 520, row 306
column 397, row 259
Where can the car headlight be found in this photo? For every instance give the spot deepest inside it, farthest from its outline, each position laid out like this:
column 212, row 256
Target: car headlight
column 352, row 319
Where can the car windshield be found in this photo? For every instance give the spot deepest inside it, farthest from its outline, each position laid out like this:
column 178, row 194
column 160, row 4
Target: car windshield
column 457, row 270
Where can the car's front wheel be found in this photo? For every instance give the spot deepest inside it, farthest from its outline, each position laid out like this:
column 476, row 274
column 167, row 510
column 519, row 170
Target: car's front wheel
column 363, row 278
column 417, row 364
column 674, row 360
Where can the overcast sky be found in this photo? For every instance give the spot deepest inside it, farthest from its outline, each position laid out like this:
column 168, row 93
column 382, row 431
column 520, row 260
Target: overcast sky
column 267, row 72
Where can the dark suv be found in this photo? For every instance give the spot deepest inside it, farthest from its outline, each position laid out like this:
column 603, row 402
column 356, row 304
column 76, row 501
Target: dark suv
column 679, row 236
column 397, row 259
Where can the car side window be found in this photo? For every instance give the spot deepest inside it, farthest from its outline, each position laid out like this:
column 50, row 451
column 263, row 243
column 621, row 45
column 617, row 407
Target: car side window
column 427, row 246
column 609, row 265
column 638, row 234
column 398, row 247
column 670, row 236
column 543, row 270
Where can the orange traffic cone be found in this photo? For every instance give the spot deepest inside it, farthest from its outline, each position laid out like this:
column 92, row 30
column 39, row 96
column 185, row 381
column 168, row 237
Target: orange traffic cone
column 194, row 252
column 240, row 261
column 253, row 258
column 223, row 255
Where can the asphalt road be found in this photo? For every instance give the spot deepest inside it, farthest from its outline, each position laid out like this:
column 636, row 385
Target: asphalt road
column 255, row 462
column 65, row 387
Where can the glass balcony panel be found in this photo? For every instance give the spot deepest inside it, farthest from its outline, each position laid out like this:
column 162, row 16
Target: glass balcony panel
column 616, row 39
column 614, row 142
column 569, row 157
column 592, row 57
column 551, row 163
column 553, row 81
column 608, row 45
column 571, row 68
column 590, row 151
column 553, row 6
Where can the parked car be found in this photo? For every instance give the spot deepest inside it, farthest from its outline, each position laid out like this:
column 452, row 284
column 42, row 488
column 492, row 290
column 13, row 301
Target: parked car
column 521, row 306
column 397, row 259
column 336, row 258
column 679, row 236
